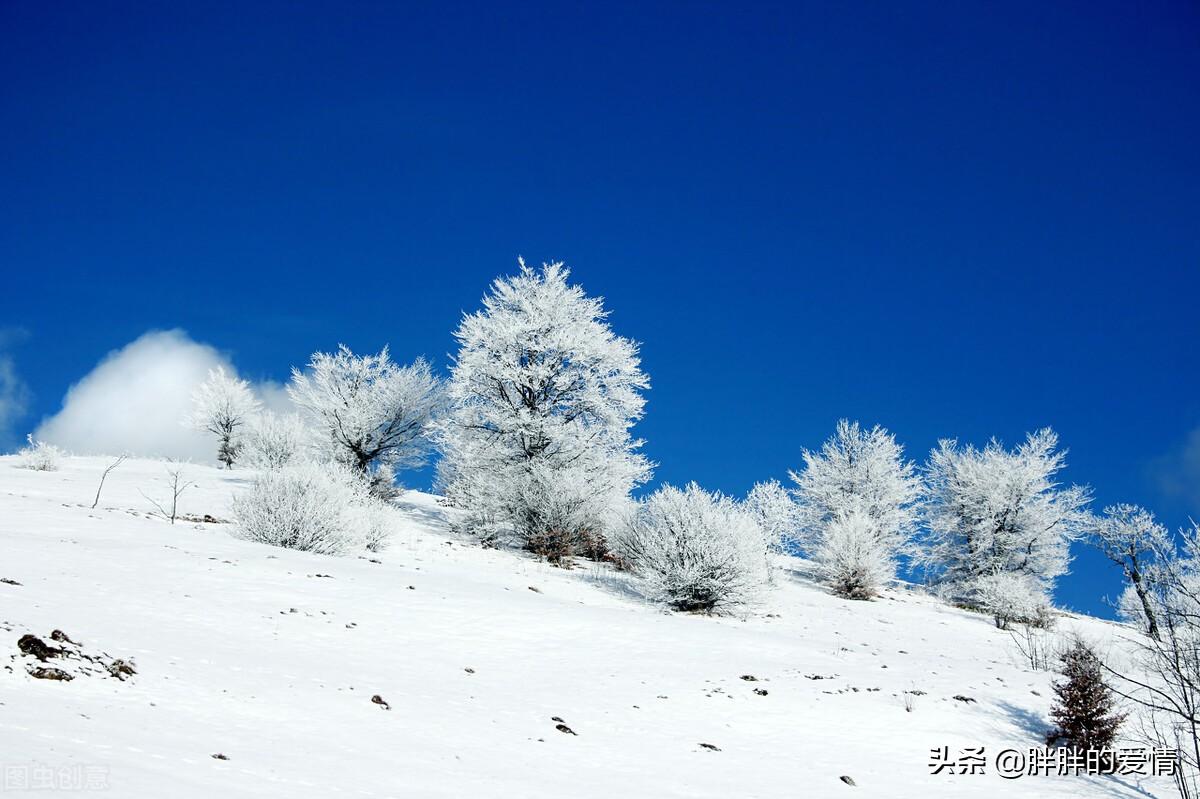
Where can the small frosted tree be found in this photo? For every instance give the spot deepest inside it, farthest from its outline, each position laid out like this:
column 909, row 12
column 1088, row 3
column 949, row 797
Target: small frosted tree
column 537, row 441
column 1130, row 537
column 368, row 412
column 774, row 511
column 994, row 511
column 857, row 498
column 223, row 405
column 697, row 551
column 1163, row 679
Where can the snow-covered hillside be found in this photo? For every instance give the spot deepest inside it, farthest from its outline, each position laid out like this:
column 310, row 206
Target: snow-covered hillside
column 495, row 675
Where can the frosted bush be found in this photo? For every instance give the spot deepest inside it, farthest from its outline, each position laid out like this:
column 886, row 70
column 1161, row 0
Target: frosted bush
column 1012, row 597
column 697, row 551
column 850, row 559
column 375, row 523
column 556, row 510
column 40, row 456
column 314, row 507
column 382, row 483
column 272, row 441
column 562, row 510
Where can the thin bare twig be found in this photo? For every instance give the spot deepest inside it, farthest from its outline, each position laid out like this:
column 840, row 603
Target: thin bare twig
column 104, row 476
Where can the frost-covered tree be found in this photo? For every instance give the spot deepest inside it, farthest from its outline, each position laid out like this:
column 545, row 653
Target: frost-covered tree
column 223, row 405
column 774, row 511
column 995, row 511
column 697, row 551
column 543, row 397
column 311, row 506
column 859, row 474
column 1163, row 678
column 1130, row 537
column 272, row 440
column 368, row 411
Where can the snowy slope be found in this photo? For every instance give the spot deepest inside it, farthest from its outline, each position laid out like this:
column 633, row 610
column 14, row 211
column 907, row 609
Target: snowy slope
column 253, row 653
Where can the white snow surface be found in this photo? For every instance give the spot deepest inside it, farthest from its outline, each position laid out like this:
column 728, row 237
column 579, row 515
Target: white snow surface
column 475, row 651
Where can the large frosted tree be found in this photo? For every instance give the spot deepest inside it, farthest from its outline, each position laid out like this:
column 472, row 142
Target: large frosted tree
column 1130, row 537
column 543, row 396
column 997, row 517
column 370, row 413
column 857, row 502
column 223, row 405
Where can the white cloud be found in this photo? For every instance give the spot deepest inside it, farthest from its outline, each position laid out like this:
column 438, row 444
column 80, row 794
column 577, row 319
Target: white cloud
column 1178, row 473
column 135, row 399
column 274, row 397
column 14, row 399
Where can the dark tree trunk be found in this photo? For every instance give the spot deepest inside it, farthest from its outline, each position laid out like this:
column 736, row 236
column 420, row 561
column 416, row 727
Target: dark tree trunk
column 1135, row 577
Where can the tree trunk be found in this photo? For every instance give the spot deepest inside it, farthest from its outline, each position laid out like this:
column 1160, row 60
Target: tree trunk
column 1135, row 577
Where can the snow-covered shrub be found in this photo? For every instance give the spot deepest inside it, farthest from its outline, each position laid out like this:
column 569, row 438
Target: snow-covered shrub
column 850, row 560
column 375, row 523
column 774, row 511
column 223, row 405
column 39, row 456
column 697, row 551
column 368, row 412
column 537, row 443
column 272, row 441
column 858, row 483
column 382, row 483
column 486, row 527
column 310, row 506
column 553, row 510
column 995, row 511
column 1011, row 597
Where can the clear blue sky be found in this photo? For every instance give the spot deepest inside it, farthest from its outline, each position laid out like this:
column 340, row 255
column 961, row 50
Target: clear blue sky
column 954, row 219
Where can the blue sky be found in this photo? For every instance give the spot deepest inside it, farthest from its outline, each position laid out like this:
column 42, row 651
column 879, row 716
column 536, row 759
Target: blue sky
column 952, row 219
